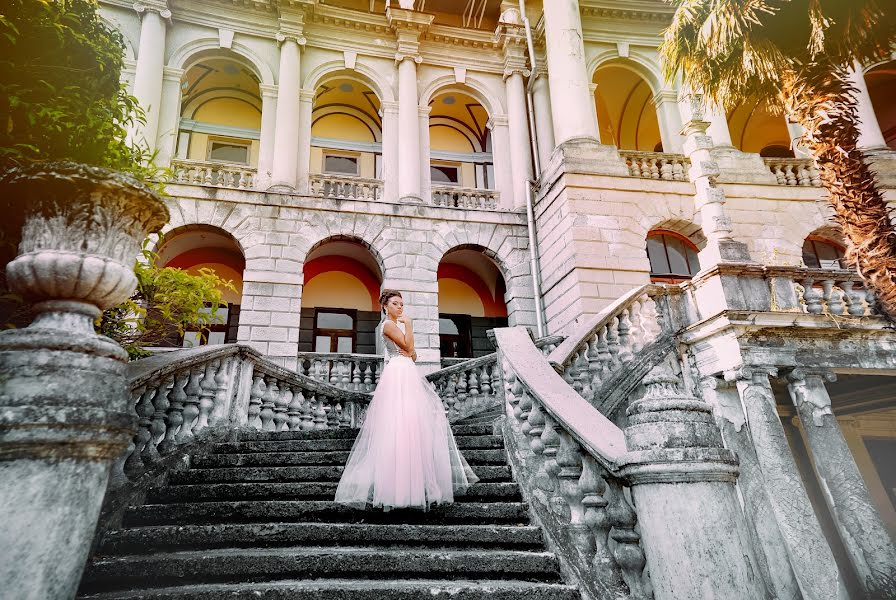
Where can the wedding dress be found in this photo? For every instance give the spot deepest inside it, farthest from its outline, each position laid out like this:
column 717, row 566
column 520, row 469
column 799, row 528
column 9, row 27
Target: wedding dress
column 405, row 454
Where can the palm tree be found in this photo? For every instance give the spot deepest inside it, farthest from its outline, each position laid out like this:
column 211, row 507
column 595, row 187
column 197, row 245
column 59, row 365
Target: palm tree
column 797, row 54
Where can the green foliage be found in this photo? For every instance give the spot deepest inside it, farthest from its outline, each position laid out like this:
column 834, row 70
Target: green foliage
column 167, row 303
column 60, row 91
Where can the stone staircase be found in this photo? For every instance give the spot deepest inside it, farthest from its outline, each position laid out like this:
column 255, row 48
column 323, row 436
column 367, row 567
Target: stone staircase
column 255, row 519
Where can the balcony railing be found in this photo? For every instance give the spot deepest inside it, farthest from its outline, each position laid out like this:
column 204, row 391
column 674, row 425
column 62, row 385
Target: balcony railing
column 215, row 174
column 656, row 165
column 346, row 187
column 352, row 372
column 793, row 171
column 455, row 197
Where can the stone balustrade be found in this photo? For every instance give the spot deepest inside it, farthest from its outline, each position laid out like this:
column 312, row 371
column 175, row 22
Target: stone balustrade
column 457, row 197
column 656, row 165
column 346, row 188
column 614, row 338
column 214, row 174
column 821, row 292
column 793, row 171
column 179, row 395
column 353, row 372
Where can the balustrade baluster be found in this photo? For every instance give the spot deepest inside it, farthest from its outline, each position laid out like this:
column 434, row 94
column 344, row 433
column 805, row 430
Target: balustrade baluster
column 497, row 381
column 294, row 410
column 679, row 171
column 525, row 406
column 176, row 398
column 449, row 395
column 812, row 297
column 159, row 419
column 222, row 392
column 268, row 402
column 624, row 327
column 832, row 297
column 613, row 342
column 134, row 463
column 320, row 415
column 546, row 478
column 854, row 305
column 308, row 412
column 790, row 175
column 190, row 412
column 666, row 171
column 597, row 519
column 207, row 391
column 117, row 476
column 628, row 552
column 536, row 420
column 255, row 399
column 281, row 406
column 594, row 364
column 473, row 379
column 356, row 376
column 636, row 331
column 485, row 387
column 461, row 386
column 583, row 374
column 345, row 373
column 569, row 459
column 333, row 417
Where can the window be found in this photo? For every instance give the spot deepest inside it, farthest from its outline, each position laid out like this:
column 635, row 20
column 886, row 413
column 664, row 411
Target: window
column 822, row 254
column 776, row 151
column 339, row 164
column 444, row 174
column 231, row 152
column 222, row 331
column 334, row 330
column 673, row 257
column 455, row 336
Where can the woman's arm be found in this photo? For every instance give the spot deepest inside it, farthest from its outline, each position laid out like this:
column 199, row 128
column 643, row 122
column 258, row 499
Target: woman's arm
column 405, row 340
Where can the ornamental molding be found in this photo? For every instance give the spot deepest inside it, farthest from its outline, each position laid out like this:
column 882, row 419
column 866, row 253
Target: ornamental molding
column 143, row 8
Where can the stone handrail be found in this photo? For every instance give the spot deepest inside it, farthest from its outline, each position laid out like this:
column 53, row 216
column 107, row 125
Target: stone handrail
column 458, row 197
column 346, row 187
column 212, row 173
column 567, row 455
column 614, row 338
column 179, row 395
column 656, row 165
column 354, row 372
column 837, row 292
column 793, row 171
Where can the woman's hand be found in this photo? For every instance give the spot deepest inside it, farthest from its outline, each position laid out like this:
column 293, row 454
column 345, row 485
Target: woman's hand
column 411, row 355
column 404, row 319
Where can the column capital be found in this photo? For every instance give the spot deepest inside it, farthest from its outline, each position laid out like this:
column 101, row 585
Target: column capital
column 388, row 107
column 402, row 56
column 267, row 90
column 287, row 34
column 424, row 111
column 172, row 73
column 497, row 121
column 306, row 95
column 157, row 6
column 804, row 389
column 666, row 96
column 752, row 374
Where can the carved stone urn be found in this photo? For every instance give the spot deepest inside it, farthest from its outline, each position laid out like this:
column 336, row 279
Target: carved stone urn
column 64, row 403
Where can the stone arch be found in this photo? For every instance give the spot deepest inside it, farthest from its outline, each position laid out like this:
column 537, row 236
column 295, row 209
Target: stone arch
column 639, row 65
column 688, row 229
column 829, row 232
column 471, row 86
column 350, row 238
column 183, row 57
column 229, row 217
column 361, row 73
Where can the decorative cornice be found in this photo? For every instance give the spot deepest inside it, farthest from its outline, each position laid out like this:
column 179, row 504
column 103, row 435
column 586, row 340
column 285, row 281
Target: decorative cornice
column 411, row 20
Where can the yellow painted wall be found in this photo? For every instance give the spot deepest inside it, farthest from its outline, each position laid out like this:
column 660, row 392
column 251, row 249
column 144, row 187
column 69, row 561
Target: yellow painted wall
column 468, row 175
column 224, row 272
column 336, row 289
column 446, row 139
column 230, row 112
column 457, row 297
column 342, row 127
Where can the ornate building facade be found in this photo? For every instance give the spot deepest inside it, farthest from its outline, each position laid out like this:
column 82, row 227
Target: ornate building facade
column 323, row 150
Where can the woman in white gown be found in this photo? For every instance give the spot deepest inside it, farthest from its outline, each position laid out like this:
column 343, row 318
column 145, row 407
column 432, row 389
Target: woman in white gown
column 405, row 454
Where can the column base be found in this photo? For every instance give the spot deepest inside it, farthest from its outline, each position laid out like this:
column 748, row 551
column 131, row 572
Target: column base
column 282, row 188
column 411, row 199
column 587, row 155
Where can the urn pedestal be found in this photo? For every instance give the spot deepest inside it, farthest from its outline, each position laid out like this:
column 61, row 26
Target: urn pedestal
column 65, row 412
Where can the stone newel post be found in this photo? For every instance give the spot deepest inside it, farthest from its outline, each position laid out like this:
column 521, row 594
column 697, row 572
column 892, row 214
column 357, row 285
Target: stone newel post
column 64, row 403
column 682, row 481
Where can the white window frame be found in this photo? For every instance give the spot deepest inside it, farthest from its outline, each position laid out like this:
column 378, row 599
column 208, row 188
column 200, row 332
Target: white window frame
column 231, row 142
column 328, row 153
column 455, row 166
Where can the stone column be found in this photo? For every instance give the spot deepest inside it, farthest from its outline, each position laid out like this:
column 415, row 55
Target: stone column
column 286, row 134
column 870, row 135
column 425, row 153
column 65, row 407
column 150, row 66
column 169, row 116
column 768, row 543
column 503, row 170
column 520, row 144
column 409, row 159
column 863, row 532
column 303, row 157
column 266, row 139
column 390, row 150
column 709, row 198
column 669, row 118
column 544, row 125
column 811, row 557
column 682, row 482
column 571, row 104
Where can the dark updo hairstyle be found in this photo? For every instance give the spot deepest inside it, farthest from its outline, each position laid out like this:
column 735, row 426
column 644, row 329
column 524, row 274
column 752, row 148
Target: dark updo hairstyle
column 386, row 296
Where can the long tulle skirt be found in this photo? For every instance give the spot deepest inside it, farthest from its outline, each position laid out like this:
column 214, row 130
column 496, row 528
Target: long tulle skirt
column 405, row 454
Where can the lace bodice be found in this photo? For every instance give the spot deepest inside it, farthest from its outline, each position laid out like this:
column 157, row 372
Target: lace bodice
column 390, row 348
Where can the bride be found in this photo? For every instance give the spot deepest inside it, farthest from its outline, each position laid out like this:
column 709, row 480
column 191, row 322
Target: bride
column 405, row 454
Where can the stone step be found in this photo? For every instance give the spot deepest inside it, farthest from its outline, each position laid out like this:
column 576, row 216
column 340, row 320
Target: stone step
column 312, row 473
column 239, row 535
column 276, row 459
column 234, row 565
column 253, row 435
column 317, row 490
column 326, row 445
column 356, row 589
column 273, row 511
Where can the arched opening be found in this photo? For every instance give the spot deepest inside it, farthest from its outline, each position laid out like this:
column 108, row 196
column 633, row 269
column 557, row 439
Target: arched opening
column 340, row 299
column 672, row 256
column 823, row 252
column 881, row 82
column 460, row 141
column 626, row 111
column 471, row 301
column 346, row 130
column 220, row 118
column 198, row 247
column 755, row 127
